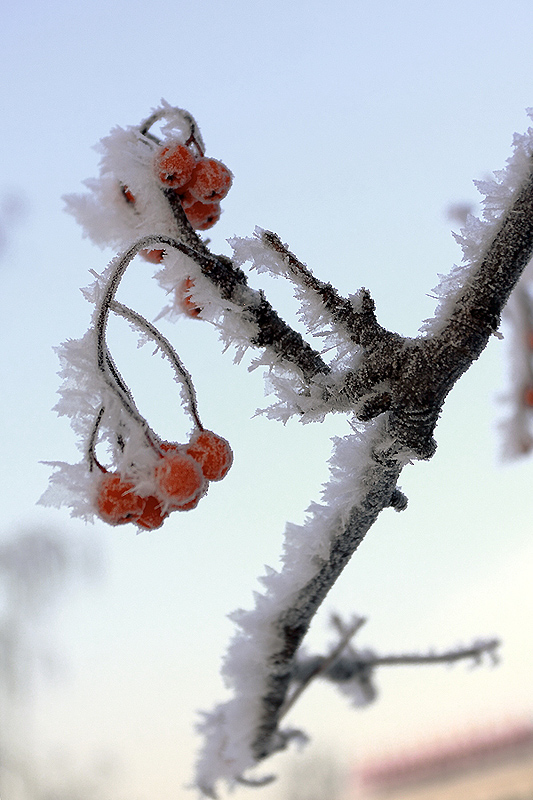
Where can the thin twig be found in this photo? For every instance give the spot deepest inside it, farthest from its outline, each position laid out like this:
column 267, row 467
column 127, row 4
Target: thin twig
column 167, row 349
column 475, row 651
column 324, row 666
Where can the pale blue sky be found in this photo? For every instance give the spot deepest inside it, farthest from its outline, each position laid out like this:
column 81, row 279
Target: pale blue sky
column 349, row 126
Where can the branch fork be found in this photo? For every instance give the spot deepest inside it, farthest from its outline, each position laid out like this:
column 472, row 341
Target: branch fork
column 394, row 387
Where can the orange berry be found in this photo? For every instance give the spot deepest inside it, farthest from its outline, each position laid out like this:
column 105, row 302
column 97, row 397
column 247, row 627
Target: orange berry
column 211, row 180
column 528, row 397
column 153, row 515
column 128, row 196
column 175, row 165
column 187, row 199
column 183, row 298
column 117, row 502
column 179, row 478
column 530, row 340
column 153, row 256
column 202, row 215
column 169, row 446
column 188, row 506
column 213, row 454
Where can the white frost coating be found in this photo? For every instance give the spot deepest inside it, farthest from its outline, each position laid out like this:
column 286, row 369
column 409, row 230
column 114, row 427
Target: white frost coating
column 230, row 728
column 84, row 391
column 263, row 258
column 477, row 234
column 105, row 215
column 294, row 396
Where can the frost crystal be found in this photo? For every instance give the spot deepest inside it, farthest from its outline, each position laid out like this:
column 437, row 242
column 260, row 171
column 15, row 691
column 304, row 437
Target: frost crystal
column 231, row 727
column 477, row 234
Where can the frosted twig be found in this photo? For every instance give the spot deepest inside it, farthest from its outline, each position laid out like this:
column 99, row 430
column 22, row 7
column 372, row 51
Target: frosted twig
column 346, row 667
column 272, row 332
column 323, row 667
column 416, row 375
column 341, row 309
column 168, row 350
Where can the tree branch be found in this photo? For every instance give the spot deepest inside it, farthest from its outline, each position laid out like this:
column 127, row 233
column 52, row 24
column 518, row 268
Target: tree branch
column 416, row 375
column 395, row 385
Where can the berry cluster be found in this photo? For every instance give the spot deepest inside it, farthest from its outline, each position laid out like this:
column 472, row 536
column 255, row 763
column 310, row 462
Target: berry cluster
column 146, row 479
column 200, row 182
column 146, row 485
column 180, row 479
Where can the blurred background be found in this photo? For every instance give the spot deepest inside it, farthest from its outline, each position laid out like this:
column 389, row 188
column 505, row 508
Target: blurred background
column 351, row 128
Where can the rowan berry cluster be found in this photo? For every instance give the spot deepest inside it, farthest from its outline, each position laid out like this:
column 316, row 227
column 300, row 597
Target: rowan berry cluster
column 155, row 182
column 179, row 480
column 200, row 183
column 152, row 477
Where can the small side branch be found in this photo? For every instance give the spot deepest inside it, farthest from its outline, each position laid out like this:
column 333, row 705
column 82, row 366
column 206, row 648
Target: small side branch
column 344, row 668
column 319, row 668
column 272, row 331
column 360, row 323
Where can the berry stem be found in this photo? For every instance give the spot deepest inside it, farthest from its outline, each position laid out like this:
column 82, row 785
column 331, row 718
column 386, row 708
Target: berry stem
column 194, row 137
column 168, row 350
column 91, row 455
column 105, row 363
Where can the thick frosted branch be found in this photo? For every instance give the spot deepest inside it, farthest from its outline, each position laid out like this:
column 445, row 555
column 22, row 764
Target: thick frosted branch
column 412, row 378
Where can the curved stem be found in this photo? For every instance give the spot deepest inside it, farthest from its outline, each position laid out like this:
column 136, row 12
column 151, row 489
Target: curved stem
column 91, row 455
column 195, row 137
column 167, row 349
column 273, row 332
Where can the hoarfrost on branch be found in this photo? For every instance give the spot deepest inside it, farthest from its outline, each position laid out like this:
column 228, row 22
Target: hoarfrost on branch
column 393, row 388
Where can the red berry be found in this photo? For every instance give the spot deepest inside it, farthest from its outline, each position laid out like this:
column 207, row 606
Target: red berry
column 117, row 502
column 166, row 447
column 213, row 454
column 175, row 165
column 153, row 256
column 183, row 298
column 528, row 397
column 153, row 515
column 202, row 216
column 211, row 180
column 188, row 506
column 179, row 478
column 187, row 199
column 128, row 196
